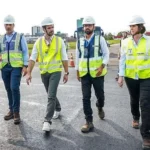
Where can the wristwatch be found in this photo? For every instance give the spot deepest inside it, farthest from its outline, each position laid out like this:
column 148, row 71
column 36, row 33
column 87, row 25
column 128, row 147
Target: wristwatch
column 66, row 73
column 103, row 65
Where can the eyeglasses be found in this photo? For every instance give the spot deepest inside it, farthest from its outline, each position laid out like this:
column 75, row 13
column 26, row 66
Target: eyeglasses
column 50, row 28
column 88, row 25
column 8, row 24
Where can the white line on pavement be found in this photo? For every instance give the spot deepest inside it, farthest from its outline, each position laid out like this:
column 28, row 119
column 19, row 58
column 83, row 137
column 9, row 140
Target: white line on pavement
column 33, row 103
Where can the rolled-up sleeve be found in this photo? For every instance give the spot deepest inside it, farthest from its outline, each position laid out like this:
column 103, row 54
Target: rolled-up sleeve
column 105, row 50
column 34, row 53
column 122, row 63
column 25, row 53
column 64, row 52
column 77, row 59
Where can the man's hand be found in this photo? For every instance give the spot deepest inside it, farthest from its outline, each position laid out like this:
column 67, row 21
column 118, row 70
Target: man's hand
column 99, row 71
column 24, row 71
column 78, row 77
column 28, row 78
column 120, row 81
column 65, row 78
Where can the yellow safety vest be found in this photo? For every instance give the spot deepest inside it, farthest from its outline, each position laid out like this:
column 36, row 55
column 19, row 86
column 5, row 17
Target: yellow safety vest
column 94, row 62
column 15, row 53
column 49, row 57
column 137, row 58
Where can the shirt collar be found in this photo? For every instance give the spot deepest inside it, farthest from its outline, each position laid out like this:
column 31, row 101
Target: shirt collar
column 48, row 42
column 11, row 34
column 89, row 38
column 143, row 36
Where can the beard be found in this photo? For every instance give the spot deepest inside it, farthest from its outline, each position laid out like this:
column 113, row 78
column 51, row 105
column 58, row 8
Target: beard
column 50, row 33
column 88, row 32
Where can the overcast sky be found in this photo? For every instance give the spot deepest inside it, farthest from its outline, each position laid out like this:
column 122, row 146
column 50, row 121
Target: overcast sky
column 111, row 15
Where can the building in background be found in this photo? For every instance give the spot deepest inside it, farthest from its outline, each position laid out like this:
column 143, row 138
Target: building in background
column 62, row 35
column 37, row 31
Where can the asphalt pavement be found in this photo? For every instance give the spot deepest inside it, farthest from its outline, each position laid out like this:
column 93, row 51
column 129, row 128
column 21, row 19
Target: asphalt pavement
column 113, row 133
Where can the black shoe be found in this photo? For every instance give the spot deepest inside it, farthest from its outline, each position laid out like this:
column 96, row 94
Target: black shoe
column 101, row 113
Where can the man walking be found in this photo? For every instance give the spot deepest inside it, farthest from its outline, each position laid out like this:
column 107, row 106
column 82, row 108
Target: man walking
column 13, row 62
column 51, row 53
column 92, row 56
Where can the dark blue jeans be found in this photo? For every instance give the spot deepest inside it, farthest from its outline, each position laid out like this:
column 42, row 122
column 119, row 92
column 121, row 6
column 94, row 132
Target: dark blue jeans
column 12, row 77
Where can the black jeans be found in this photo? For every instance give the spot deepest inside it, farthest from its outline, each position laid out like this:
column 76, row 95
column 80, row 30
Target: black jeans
column 134, row 91
column 98, row 83
column 140, row 93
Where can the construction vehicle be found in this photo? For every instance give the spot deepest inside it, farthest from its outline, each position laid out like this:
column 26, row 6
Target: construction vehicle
column 80, row 33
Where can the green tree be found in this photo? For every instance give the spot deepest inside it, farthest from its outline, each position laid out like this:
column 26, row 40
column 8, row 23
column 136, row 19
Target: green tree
column 105, row 36
column 109, row 36
column 119, row 34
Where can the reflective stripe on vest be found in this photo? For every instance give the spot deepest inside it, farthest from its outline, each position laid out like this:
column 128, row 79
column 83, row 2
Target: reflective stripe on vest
column 138, row 59
column 50, row 68
column 94, row 62
column 48, row 63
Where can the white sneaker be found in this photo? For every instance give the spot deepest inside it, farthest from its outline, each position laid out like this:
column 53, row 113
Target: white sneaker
column 56, row 114
column 46, row 126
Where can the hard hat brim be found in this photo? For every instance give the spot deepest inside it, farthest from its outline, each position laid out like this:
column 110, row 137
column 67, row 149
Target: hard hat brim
column 9, row 23
column 87, row 23
column 47, row 24
column 136, row 23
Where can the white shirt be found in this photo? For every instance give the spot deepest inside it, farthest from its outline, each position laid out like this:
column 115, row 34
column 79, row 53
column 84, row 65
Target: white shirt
column 34, row 54
column 104, row 48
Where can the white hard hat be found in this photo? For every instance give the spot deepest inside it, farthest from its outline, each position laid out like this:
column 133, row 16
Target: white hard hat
column 9, row 20
column 136, row 20
column 47, row 21
column 88, row 20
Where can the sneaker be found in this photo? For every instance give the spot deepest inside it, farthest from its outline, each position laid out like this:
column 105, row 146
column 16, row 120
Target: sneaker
column 101, row 113
column 46, row 126
column 9, row 116
column 87, row 127
column 16, row 118
column 135, row 124
column 146, row 144
column 56, row 115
